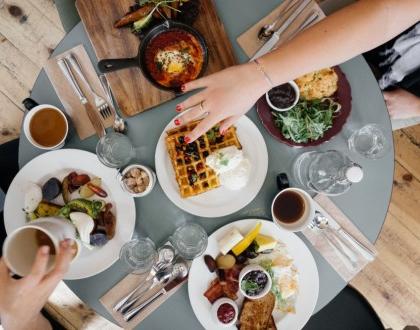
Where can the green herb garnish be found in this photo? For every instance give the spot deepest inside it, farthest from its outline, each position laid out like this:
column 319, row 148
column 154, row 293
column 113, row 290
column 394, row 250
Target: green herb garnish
column 250, row 287
column 308, row 120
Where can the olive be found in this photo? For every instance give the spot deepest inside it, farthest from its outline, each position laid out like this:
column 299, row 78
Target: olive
column 225, row 262
column 241, row 259
column 251, row 254
column 51, row 189
column 210, row 263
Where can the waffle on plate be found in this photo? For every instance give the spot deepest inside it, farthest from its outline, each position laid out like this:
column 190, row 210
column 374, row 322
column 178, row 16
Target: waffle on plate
column 189, row 160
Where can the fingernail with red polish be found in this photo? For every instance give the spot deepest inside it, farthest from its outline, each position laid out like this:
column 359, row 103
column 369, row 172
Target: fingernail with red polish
column 183, row 88
column 187, row 139
column 177, row 122
column 178, row 108
column 223, row 132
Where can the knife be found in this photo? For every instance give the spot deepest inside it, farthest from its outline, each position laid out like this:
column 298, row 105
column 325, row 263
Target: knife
column 171, row 285
column 276, row 36
column 91, row 112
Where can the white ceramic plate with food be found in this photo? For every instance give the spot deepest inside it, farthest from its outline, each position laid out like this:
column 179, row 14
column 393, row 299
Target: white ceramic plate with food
column 58, row 164
column 220, row 201
column 308, row 281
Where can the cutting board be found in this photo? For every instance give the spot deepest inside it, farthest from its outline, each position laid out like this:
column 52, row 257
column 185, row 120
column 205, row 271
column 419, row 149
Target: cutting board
column 132, row 91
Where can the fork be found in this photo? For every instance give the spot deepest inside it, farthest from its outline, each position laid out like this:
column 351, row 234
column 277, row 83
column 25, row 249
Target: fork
column 100, row 103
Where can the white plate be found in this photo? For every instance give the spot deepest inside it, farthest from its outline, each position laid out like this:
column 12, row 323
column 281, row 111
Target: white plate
column 58, row 164
column 200, row 277
column 221, row 201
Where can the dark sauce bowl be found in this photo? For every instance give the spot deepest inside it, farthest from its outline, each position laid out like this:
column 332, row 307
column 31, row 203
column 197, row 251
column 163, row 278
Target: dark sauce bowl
column 283, row 97
column 253, row 269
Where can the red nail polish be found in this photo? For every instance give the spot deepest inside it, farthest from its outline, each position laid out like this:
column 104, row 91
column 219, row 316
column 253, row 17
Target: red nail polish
column 183, row 88
column 178, row 108
column 187, row 139
column 177, row 122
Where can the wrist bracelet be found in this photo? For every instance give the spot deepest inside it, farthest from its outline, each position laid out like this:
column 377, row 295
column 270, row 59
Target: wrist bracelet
column 260, row 68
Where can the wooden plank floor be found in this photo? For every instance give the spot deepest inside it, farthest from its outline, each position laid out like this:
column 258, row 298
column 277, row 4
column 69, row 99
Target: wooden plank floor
column 30, row 30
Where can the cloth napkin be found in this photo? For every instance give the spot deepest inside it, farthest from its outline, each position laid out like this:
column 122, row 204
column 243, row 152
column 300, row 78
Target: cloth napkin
column 69, row 99
column 336, row 219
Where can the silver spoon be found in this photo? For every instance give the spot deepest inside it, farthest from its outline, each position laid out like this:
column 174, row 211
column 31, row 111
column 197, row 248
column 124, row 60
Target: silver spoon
column 166, row 255
column 347, row 256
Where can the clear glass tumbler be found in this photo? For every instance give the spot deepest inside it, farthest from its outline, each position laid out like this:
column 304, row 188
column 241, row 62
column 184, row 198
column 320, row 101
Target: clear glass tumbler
column 190, row 240
column 369, row 141
column 114, row 150
column 139, row 255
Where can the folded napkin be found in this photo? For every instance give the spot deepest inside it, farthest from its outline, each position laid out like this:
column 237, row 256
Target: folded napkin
column 336, row 218
column 69, row 99
column 249, row 40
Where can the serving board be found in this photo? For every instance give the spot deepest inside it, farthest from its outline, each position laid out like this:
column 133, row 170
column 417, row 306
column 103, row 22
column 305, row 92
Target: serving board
column 132, row 91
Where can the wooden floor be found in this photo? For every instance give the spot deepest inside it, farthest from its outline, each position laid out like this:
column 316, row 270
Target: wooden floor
column 31, row 30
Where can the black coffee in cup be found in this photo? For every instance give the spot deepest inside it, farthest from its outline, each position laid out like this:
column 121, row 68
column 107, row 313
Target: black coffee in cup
column 289, row 207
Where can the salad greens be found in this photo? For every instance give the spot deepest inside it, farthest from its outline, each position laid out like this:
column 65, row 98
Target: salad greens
column 308, row 120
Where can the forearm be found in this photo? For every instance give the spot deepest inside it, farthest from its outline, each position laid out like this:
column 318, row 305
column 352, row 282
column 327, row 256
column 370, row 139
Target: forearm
column 39, row 322
column 341, row 36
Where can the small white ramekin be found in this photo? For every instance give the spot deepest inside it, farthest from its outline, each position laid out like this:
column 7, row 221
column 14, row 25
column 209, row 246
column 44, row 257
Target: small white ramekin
column 296, row 89
column 150, row 173
column 216, row 306
column 251, row 268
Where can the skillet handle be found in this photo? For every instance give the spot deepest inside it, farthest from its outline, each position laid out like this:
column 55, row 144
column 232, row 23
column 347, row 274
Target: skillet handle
column 110, row 65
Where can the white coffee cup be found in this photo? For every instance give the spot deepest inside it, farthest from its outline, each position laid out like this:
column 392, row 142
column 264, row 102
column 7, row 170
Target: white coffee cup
column 27, row 121
column 21, row 246
column 306, row 217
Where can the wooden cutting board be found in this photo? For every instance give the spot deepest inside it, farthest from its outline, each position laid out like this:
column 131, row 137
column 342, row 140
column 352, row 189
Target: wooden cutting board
column 132, row 91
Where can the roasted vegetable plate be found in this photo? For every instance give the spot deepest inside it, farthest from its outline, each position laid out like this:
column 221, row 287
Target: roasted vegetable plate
column 74, row 185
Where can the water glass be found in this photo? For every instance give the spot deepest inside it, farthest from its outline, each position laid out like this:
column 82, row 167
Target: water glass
column 139, row 255
column 369, row 141
column 190, row 240
column 114, row 150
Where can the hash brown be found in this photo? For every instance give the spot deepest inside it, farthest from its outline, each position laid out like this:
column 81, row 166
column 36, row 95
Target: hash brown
column 318, row 84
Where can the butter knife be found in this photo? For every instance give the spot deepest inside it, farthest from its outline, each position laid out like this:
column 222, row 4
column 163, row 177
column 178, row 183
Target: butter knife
column 91, row 112
column 268, row 46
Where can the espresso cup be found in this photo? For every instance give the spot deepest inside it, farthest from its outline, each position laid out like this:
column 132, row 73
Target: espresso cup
column 46, row 127
column 293, row 209
column 21, row 246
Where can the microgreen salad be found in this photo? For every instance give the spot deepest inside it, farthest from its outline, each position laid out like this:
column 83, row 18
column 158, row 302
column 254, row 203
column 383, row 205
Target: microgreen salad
column 308, row 120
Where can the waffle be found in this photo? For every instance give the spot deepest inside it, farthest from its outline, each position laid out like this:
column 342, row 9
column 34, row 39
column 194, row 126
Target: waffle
column 189, row 160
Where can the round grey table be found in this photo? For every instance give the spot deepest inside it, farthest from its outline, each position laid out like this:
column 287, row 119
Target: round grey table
column 365, row 204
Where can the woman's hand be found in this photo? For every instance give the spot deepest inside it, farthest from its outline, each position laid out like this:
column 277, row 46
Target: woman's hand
column 226, row 96
column 22, row 300
column 402, row 104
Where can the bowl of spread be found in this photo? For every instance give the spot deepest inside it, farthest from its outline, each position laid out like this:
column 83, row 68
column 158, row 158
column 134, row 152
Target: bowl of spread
column 254, row 282
column 225, row 312
column 283, row 97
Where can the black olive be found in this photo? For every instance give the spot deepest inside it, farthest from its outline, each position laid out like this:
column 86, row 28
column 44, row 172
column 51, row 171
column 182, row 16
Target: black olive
column 210, row 263
column 251, row 254
column 51, row 189
column 241, row 259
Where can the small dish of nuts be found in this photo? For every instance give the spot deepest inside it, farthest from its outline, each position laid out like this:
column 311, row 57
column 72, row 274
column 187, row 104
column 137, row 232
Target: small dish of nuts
column 138, row 180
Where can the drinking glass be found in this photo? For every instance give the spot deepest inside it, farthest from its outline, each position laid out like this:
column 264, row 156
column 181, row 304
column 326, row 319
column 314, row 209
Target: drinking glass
column 190, row 240
column 369, row 141
column 139, row 255
column 114, row 150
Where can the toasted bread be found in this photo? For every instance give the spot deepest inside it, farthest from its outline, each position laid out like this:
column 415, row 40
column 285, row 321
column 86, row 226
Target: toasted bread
column 256, row 314
column 271, row 324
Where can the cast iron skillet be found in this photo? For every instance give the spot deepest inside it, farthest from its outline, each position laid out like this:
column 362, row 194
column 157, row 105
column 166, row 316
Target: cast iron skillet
column 109, row 65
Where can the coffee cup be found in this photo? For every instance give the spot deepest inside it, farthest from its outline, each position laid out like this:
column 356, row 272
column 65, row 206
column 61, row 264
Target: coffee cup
column 293, row 209
column 46, row 127
column 21, row 246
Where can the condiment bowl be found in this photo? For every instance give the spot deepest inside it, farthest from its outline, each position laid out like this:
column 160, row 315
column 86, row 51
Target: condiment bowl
column 215, row 308
column 150, row 173
column 268, row 284
column 297, row 92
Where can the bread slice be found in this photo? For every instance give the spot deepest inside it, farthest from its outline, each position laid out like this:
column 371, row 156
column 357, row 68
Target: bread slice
column 256, row 314
column 271, row 324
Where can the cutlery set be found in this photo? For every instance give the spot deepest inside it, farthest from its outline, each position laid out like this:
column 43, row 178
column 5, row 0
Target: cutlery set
column 101, row 109
column 164, row 272
column 342, row 242
column 291, row 13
